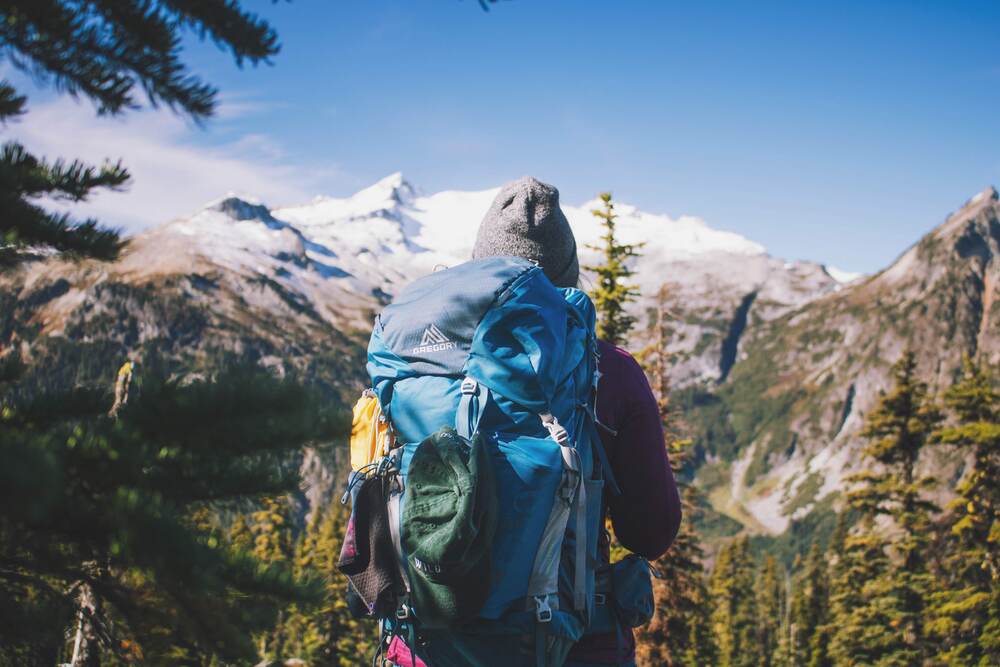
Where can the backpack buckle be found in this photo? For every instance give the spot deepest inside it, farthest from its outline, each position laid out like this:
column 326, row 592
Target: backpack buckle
column 543, row 611
column 403, row 612
column 555, row 429
column 469, row 385
column 600, row 599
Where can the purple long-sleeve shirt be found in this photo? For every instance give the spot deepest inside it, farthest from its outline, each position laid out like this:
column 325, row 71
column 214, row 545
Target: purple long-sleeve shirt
column 647, row 512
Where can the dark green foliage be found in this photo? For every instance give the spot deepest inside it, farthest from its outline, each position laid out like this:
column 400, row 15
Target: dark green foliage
column 115, row 54
column 964, row 616
column 771, row 611
column 680, row 632
column 326, row 634
column 809, row 609
column 24, row 178
column 734, row 606
column 103, row 50
column 117, row 507
column 883, row 588
column 860, row 630
column 613, row 293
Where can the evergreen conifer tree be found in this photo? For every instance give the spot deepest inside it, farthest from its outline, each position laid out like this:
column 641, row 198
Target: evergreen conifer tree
column 613, row 291
column 887, row 626
column 678, row 633
column 103, row 50
column 101, row 516
column 326, row 634
column 240, row 535
column 965, row 610
column 771, row 611
column 273, row 540
column 819, row 651
column 860, row 633
column 102, row 520
column 734, row 606
column 809, row 608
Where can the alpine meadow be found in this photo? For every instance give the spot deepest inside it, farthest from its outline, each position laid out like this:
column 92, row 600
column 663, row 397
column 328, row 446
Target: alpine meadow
column 180, row 481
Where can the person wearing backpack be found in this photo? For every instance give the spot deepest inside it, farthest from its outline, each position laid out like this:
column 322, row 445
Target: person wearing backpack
column 503, row 347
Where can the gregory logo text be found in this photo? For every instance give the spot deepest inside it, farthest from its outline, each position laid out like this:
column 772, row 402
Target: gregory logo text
column 433, row 341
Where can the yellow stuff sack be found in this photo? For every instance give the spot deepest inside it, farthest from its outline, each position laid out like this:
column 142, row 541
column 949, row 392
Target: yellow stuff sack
column 371, row 437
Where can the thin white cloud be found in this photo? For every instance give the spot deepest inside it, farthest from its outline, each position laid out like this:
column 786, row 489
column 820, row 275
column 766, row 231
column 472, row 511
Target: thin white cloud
column 172, row 174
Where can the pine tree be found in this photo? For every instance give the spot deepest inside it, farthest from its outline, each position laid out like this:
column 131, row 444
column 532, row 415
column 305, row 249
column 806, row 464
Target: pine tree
column 859, row 632
column 679, row 632
column 837, row 573
column 96, row 514
column 809, row 608
column 240, row 535
column 612, row 292
column 965, row 610
column 326, row 634
column 734, row 606
column 105, row 51
column 771, row 611
column 271, row 528
column 109, row 512
column 887, row 627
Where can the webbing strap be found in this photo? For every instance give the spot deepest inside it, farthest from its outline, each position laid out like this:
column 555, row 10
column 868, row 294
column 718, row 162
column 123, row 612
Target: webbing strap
column 580, row 565
column 412, row 645
column 470, row 408
column 392, row 510
column 610, row 483
column 541, row 657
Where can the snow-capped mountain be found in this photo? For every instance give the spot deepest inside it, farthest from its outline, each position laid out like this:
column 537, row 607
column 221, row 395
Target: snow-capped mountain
column 388, row 234
column 777, row 359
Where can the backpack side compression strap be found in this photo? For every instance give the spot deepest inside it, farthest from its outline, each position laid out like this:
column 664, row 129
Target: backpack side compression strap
column 471, row 407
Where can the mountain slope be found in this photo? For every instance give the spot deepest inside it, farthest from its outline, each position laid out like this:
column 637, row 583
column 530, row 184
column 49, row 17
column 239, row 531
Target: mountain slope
column 782, row 431
column 295, row 288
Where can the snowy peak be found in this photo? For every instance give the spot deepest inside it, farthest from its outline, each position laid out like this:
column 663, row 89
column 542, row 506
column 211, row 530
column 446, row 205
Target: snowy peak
column 391, row 190
column 389, row 233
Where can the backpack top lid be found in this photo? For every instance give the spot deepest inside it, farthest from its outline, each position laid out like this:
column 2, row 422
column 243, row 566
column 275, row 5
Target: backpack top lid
column 497, row 320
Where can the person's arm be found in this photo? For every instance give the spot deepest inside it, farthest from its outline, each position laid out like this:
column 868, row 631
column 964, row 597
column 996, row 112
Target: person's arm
column 647, row 513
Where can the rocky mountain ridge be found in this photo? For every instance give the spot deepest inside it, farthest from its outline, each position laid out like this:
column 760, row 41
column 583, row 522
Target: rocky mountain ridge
column 775, row 362
column 783, row 430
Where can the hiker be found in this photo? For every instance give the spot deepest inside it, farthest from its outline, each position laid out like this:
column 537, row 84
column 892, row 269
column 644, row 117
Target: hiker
column 525, row 221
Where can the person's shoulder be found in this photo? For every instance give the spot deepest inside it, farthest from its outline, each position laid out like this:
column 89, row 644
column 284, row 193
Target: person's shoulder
column 612, row 354
column 619, row 362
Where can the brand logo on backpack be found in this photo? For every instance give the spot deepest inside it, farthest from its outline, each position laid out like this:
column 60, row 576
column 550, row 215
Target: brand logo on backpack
column 433, row 340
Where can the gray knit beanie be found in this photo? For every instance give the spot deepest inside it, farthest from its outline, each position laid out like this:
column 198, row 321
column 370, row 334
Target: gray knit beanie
column 525, row 221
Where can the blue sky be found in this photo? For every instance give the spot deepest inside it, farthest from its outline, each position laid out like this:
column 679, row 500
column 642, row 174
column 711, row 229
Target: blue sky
column 837, row 131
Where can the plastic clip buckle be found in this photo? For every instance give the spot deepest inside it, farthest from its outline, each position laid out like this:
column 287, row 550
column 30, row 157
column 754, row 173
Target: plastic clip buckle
column 469, row 386
column 543, row 612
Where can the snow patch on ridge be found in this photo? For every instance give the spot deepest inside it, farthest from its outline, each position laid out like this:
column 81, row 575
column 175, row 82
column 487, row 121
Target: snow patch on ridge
column 841, row 276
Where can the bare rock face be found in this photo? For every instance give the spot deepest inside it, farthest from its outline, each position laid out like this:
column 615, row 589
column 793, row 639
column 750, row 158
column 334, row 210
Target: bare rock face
column 796, row 397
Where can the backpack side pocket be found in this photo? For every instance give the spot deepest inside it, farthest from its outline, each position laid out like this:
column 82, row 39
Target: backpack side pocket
column 632, row 590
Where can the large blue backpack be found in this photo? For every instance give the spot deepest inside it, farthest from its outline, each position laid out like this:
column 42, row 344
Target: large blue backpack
column 492, row 349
